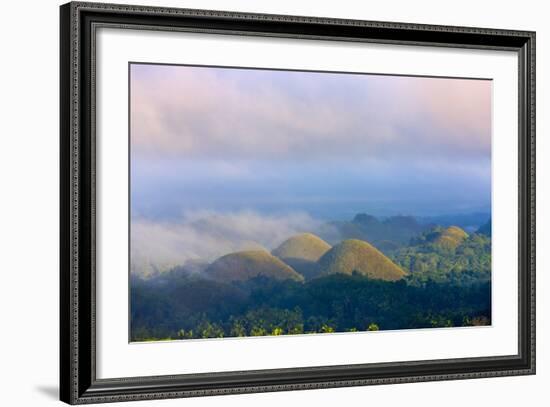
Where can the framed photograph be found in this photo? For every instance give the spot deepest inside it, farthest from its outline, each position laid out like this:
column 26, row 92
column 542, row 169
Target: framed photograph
column 255, row 203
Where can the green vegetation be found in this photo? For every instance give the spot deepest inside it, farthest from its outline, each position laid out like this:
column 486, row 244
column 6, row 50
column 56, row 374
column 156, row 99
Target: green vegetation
column 305, row 246
column 451, row 237
column 442, row 278
column 334, row 303
column 248, row 264
column 428, row 260
column 386, row 234
column 301, row 252
column 358, row 256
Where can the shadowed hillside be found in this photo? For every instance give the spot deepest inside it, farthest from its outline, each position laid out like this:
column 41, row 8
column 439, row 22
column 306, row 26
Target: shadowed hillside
column 301, row 252
column 359, row 256
column 485, row 229
column 467, row 221
column 241, row 266
column 305, row 246
column 385, row 234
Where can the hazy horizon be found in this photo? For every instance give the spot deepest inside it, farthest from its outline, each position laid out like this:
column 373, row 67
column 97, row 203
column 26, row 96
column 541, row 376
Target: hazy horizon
column 272, row 148
column 326, row 144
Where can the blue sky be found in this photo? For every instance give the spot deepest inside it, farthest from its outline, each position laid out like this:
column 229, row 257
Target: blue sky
column 328, row 145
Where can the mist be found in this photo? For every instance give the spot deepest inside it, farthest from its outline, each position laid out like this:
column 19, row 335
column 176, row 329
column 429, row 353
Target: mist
column 157, row 246
column 223, row 160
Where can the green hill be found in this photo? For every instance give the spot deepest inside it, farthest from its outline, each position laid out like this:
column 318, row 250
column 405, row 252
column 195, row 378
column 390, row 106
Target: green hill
column 241, row 266
column 451, row 237
column 301, row 252
column 386, row 234
column 305, row 246
column 359, row 256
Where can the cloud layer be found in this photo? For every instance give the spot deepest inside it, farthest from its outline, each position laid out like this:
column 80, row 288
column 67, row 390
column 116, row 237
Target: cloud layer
column 193, row 112
column 206, row 235
column 234, row 141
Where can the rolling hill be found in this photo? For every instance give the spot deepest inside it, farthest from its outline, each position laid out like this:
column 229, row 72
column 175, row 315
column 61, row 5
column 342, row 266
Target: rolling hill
column 242, row 266
column 305, row 246
column 451, row 237
column 385, row 234
column 360, row 256
column 301, row 252
column 485, row 229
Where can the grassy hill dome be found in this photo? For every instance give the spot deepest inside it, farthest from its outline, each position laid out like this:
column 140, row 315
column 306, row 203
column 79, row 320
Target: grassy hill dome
column 305, row 246
column 241, row 266
column 360, row 256
column 451, row 237
column 301, row 252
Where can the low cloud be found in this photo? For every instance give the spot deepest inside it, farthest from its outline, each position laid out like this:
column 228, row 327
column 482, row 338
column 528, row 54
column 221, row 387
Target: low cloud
column 205, row 235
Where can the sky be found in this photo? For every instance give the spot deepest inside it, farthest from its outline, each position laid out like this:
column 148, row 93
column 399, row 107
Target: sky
column 227, row 159
column 325, row 144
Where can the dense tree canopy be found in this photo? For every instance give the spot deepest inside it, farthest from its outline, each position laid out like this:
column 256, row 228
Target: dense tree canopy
column 446, row 285
column 203, row 309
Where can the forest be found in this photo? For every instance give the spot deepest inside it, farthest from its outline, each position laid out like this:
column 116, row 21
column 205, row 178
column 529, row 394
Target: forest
column 428, row 276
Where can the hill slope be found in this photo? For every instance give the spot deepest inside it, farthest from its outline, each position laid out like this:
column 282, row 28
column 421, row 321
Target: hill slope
column 451, row 237
column 301, row 252
column 305, row 246
column 485, row 229
column 357, row 255
column 241, row 266
column 386, row 234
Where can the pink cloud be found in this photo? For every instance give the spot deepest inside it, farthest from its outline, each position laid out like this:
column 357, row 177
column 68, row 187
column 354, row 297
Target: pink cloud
column 204, row 112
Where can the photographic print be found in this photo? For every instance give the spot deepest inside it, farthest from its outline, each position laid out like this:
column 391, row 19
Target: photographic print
column 271, row 202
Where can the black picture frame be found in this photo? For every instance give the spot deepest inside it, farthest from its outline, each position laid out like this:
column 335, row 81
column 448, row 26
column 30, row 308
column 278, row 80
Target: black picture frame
column 78, row 382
